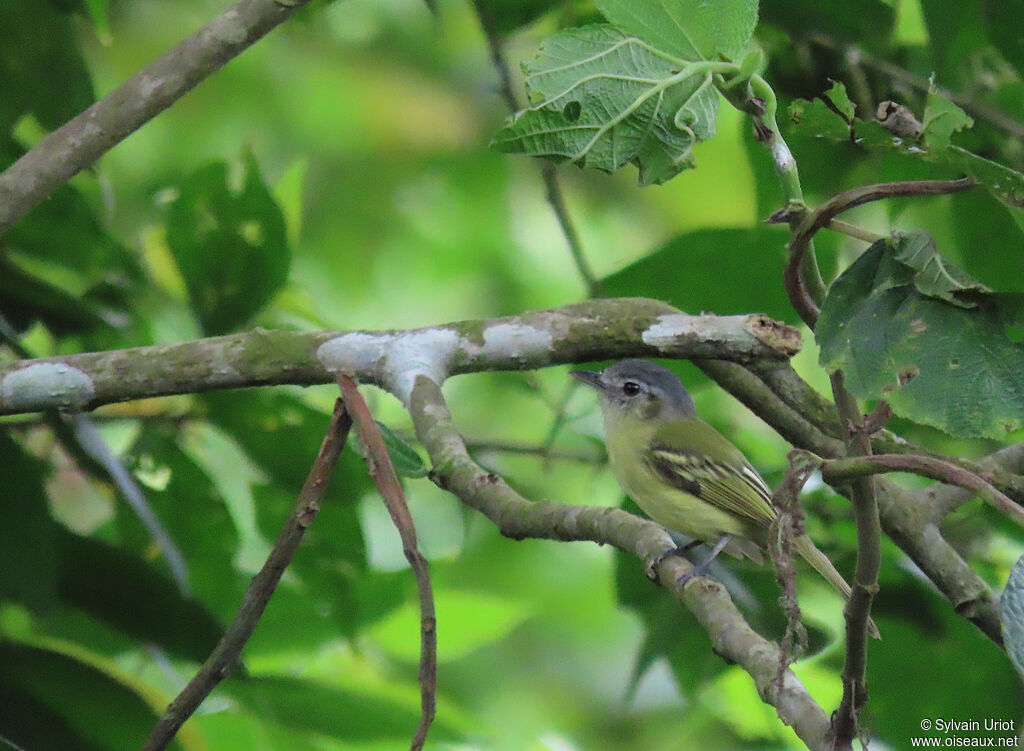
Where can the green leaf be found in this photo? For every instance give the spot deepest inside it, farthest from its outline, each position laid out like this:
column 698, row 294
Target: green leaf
column 688, row 29
column 1012, row 606
column 91, row 700
column 406, row 460
column 604, row 99
column 963, row 364
column 230, row 246
column 840, row 100
column 918, row 643
column 39, row 53
column 194, row 514
column 1004, row 184
column 853, row 22
column 509, row 15
column 310, row 707
column 146, row 603
column 281, row 434
column 942, row 118
column 934, row 276
column 817, row 118
column 27, row 532
column 733, row 264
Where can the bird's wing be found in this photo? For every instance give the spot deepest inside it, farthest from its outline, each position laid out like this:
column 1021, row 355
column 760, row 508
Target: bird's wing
column 679, row 453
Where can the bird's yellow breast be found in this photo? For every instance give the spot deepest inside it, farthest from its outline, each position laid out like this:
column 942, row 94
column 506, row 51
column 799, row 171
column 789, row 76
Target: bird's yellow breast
column 666, row 504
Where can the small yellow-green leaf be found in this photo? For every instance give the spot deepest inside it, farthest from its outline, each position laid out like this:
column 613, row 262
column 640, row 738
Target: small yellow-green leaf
column 406, row 461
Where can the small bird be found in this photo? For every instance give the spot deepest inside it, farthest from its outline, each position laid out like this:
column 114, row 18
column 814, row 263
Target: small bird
column 682, row 472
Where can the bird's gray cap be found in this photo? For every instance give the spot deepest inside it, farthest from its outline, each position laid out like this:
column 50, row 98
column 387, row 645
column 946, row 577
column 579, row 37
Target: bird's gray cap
column 655, row 381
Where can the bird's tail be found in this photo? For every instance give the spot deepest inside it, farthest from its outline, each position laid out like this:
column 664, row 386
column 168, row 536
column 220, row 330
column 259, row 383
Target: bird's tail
column 820, row 562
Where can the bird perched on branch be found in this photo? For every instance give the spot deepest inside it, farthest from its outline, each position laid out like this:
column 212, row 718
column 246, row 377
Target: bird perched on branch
column 683, row 473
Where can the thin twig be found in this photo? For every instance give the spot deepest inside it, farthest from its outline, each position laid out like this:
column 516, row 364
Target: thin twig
column 788, row 525
column 226, row 655
column 806, row 224
column 1008, row 460
column 852, row 230
column 390, row 490
column 846, row 719
column 81, row 141
column 840, row 471
column 552, row 186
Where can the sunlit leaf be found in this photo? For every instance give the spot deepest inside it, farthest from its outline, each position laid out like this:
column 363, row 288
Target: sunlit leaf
column 689, row 29
column 603, row 99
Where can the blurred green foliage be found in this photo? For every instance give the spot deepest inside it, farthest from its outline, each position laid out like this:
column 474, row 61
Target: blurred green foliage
column 338, row 175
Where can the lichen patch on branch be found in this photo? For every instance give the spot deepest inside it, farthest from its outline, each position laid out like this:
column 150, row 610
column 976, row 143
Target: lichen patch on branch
column 395, row 360
column 515, row 340
column 46, row 385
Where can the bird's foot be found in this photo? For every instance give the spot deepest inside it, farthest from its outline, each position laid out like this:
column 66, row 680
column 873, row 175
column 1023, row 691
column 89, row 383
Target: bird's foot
column 652, row 564
column 701, row 568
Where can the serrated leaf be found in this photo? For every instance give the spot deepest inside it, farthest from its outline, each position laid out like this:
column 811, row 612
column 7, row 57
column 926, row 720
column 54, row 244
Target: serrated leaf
column 604, row 99
column 964, row 365
column 841, row 100
column 933, row 275
column 815, row 117
column 406, row 460
column 942, row 118
column 689, row 29
column 1012, row 616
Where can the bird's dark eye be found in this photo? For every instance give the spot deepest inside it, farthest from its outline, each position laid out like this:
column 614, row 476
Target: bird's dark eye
column 631, row 388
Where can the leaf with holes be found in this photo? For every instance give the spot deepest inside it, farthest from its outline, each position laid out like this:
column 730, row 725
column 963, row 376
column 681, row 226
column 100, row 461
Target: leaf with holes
column 603, row 99
column 942, row 118
column 960, row 368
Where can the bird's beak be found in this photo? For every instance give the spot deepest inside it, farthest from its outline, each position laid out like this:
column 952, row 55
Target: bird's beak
column 589, row 377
